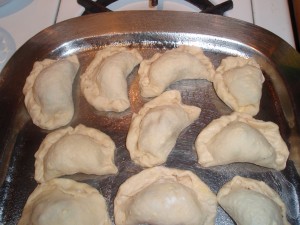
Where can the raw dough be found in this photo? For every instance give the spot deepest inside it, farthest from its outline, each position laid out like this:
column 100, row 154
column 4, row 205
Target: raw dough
column 252, row 202
column 165, row 196
column 184, row 62
column 65, row 202
column 104, row 83
column 241, row 138
column 68, row 151
column 238, row 82
column 154, row 130
column 48, row 92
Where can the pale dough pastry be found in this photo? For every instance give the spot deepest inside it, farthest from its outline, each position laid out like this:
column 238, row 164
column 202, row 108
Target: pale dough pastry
column 104, row 83
column 165, row 196
column 238, row 83
column 48, row 92
column 69, row 151
column 252, row 202
column 155, row 128
column 65, row 202
column 184, row 62
column 241, row 138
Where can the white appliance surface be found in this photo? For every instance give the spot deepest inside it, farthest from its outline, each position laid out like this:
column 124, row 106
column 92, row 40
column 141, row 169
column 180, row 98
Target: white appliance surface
column 272, row 15
column 22, row 19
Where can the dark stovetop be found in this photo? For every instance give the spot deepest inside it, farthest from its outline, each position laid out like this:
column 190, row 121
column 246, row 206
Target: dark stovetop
column 205, row 6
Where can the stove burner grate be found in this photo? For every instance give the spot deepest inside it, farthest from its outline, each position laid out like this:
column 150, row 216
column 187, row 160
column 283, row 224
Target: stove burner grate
column 204, row 5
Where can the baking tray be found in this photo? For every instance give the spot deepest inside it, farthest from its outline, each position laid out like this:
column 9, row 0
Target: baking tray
column 150, row 32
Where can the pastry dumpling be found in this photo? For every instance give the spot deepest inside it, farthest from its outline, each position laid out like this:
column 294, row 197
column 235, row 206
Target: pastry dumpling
column 241, row 138
column 238, row 83
column 69, row 151
column 65, row 202
column 154, row 130
column 104, row 82
column 161, row 195
column 252, row 202
column 48, row 92
column 184, row 62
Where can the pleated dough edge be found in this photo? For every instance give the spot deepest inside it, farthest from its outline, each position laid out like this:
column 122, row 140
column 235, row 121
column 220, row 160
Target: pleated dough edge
column 222, row 90
column 89, row 87
column 206, row 159
column 138, row 182
column 145, row 66
column 55, row 136
column 34, row 109
column 65, row 185
column 254, row 185
column 166, row 98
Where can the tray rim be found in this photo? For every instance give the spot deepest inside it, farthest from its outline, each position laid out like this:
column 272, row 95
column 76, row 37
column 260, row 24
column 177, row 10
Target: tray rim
column 59, row 35
column 264, row 42
column 138, row 22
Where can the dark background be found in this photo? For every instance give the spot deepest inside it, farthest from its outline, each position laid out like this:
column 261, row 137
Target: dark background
column 295, row 16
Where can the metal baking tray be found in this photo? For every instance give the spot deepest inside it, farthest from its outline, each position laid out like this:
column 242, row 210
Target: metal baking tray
column 151, row 32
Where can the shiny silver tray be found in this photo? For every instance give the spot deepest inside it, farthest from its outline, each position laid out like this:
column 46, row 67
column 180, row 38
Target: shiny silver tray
column 151, row 32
